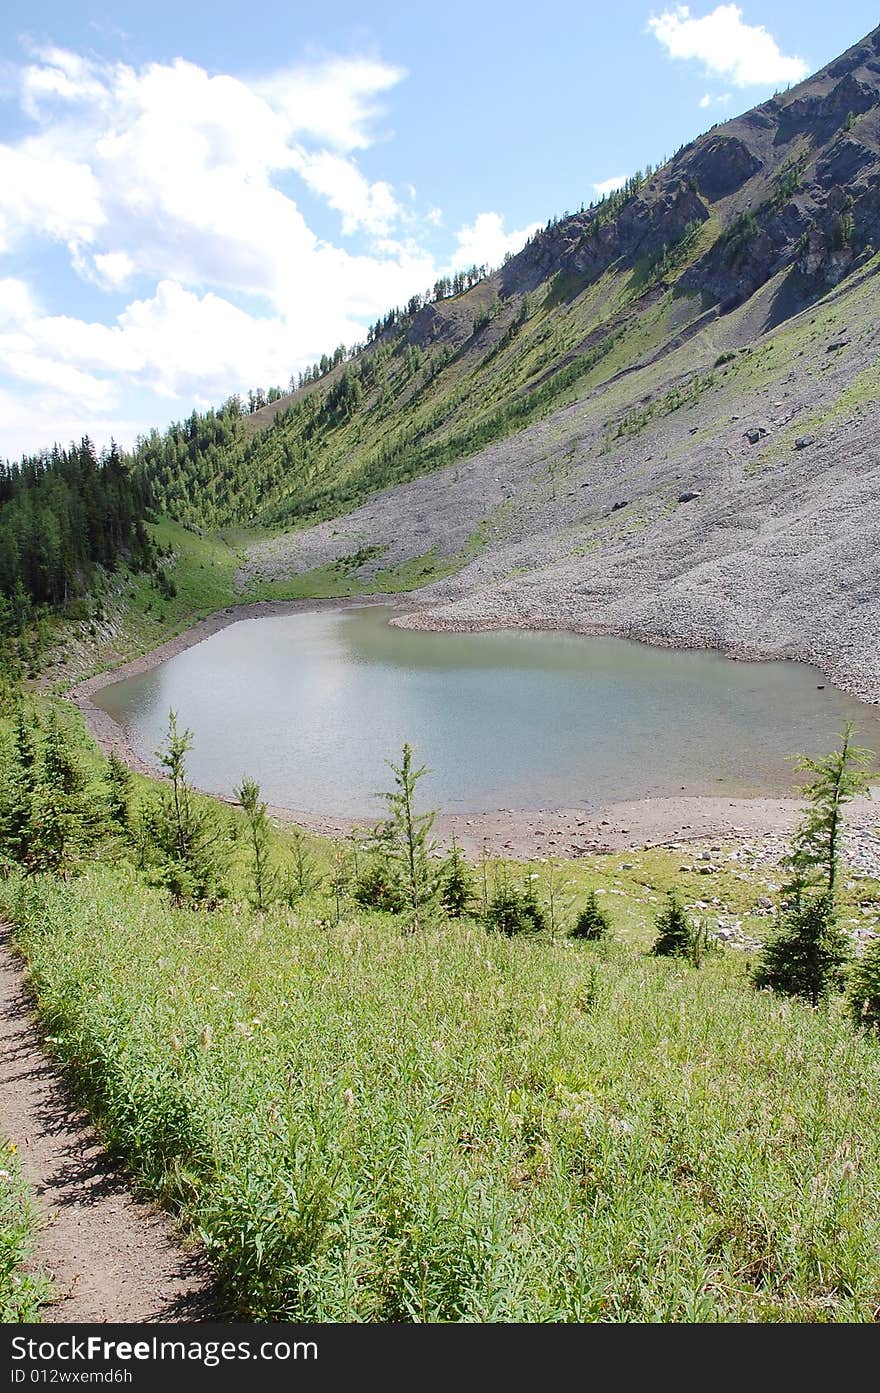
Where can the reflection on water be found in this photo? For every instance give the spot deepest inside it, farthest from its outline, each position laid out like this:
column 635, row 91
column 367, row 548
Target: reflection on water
column 311, row 705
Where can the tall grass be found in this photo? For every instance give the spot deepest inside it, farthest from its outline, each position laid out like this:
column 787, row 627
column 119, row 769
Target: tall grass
column 365, row 1125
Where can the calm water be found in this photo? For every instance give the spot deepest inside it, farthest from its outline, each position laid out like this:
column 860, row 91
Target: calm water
column 310, row 705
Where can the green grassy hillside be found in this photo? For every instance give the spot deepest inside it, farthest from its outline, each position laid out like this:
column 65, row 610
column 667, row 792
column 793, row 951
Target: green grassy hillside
column 362, row 1125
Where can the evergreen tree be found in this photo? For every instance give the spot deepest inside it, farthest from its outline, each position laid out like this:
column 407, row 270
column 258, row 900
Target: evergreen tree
column 18, row 785
column 184, row 834
column 378, row 886
column 65, row 821
column 456, row 884
column 593, row 921
column 405, row 840
column 807, row 953
column 118, row 785
column 837, row 779
column 675, row 932
column 260, row 836
column 302, row 877
column 531, row 906
column 513, row 911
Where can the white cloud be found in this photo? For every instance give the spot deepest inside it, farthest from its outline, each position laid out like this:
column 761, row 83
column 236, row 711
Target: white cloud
column 607, row 186
column 68, row 421
column 179, row 186
column 113, row 269
column 372, row 207
column 333, row 102
column 16, row 301
column 177, row 169
column 707, row 100
column 48, row 193
column 178, row 181
column 728, row 47
column 484, row 241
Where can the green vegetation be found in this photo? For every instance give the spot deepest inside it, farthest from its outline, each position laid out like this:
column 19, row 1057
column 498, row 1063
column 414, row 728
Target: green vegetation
column 676, row 935
column 593, row 922
column 739, row 236
column 466, row 364
column 489, row 1118
column 405, row 846
column 807, row 955
column 365, row 1125
column 685, row 394
column 864, row 990
column 62, row 515
column 22, row 1292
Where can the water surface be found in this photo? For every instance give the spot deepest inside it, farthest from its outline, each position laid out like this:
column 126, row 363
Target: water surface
column 311, row 705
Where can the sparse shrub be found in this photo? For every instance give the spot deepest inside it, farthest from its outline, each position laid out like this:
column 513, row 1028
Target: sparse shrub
column 806, row 955
column 864, row 988
column 456, row 884
column 302, row 876
column 593, row 922
column 260, row 836
column 181, row 833
column 378, row 887
column 513, row 911
column 676, row 933
column 404, row 841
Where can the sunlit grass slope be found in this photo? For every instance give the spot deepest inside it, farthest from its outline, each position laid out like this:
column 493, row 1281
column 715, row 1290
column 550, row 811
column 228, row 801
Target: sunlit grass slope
column 367, row 1125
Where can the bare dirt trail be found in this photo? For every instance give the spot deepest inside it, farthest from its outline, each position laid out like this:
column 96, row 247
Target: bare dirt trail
column 111, row 1257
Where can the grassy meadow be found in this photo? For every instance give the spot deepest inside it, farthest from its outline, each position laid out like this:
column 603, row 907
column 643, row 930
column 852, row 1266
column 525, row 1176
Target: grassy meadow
column 362, row 1124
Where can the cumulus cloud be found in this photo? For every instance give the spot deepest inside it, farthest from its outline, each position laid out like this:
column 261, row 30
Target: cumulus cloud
column 607, row 186
column 334, row 101
column 17, row 304
column 176, row 189
column 728, row 47
column 707, row 100
column 484, row 241
column 372, row 207
column 176, row 183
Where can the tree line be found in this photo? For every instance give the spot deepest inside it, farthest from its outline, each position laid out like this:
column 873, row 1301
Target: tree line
column 62, row 514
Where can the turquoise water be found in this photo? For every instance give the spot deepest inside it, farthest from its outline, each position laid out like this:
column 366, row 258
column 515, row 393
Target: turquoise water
column 311, row 705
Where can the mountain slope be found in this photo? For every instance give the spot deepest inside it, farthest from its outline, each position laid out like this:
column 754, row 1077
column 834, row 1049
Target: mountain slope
column 679, row 338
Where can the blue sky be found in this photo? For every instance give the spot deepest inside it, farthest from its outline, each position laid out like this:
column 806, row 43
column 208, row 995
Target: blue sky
column 198, row 198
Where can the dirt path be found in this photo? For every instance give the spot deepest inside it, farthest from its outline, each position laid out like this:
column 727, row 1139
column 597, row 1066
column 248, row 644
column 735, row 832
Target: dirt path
column 111, row 1257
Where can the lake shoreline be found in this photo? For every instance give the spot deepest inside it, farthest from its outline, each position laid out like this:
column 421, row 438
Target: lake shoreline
column 516, row 833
